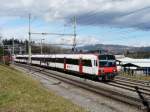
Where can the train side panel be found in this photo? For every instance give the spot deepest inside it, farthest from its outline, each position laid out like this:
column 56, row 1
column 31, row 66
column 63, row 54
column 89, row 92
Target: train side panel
column 79, row 63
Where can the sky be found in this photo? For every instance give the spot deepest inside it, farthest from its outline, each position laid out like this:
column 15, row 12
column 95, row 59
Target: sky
column 123, row 22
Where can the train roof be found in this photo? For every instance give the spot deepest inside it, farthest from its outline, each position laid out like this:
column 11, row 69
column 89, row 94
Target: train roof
column 73, row 56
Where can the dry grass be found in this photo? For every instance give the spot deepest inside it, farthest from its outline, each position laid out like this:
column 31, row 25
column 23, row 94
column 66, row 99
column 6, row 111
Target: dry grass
column 136, row 77
column 19, row 93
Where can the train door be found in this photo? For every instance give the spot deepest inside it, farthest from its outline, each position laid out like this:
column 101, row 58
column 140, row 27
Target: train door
column 95, row 67
column 80, row 66
column 40, row 61
column 87, row 66
column 65, row 65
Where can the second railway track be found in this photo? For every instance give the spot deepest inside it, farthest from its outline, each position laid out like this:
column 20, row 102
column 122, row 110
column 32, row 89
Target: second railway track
column 139, row 82
column 130, row 86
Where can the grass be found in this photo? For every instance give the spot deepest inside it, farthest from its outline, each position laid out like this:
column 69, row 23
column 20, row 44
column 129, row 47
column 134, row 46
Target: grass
column 135, row 77
column 20, row 93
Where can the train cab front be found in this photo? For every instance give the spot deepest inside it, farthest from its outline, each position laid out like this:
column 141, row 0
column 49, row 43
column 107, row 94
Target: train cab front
column 107, row 67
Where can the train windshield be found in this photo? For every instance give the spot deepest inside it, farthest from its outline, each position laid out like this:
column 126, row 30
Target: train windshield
column 106, row 57
column 107, row 63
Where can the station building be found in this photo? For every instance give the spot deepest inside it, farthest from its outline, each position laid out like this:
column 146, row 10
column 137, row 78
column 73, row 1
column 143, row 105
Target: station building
column 134, row 66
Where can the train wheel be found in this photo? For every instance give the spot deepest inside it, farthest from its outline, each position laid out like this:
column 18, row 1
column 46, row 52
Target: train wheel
column 105, row 78
column 100, row 78
column 112, row 78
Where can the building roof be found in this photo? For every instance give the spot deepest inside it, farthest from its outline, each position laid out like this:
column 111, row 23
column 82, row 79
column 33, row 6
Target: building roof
column 119, row 56
column 129, row 65
column 137, row 62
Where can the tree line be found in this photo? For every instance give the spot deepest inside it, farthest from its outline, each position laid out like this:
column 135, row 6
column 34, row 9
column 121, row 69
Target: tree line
column 138, row 54
column 21, row 47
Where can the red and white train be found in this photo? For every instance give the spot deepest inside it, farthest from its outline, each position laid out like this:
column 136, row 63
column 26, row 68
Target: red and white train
column 101, row 66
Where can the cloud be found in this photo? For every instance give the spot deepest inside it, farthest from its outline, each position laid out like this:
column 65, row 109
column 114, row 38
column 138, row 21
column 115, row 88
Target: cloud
column 112, row 13
column 18, row 32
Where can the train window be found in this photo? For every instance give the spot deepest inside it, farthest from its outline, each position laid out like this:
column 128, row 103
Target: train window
column 35, row 58
column 72, row 61
column 39, row 59
column 42, row 59
column 106, row 57
column 59, row 60
column 47, row 59
column 87, row 63
column 95, row 63
column 56, row 60
column 103, row 63
column 50, row 59
column 107, row 63
column 17, row 57
column 25, row 58
column 22, row 58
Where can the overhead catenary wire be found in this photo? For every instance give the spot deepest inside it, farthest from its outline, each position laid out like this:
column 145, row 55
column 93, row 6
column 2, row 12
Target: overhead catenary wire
column 48, row 33
column 91, row 17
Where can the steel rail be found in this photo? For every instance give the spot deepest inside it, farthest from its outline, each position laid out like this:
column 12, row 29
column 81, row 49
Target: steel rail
column 131, row 82
column 129, row 87
column 142, row 82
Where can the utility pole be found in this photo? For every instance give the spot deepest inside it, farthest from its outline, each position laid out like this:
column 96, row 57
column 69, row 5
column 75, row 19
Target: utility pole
column 74, row 40
column 20, row 50
column 0, row 40
column 13, row 50
column 29, row 43
column 3, row 49
column 42, row 46
column 3, row 53
column 26, row 46
column 45, row 33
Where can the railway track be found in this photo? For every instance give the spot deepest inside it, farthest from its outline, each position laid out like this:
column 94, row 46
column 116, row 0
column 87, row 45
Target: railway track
column 130, row 86
column 116, row 95
column 129, row 80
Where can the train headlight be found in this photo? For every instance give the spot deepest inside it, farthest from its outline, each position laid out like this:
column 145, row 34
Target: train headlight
column 114, row 70
column 101, row 71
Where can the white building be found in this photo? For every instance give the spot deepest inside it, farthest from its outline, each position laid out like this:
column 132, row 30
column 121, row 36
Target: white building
column 138, row 65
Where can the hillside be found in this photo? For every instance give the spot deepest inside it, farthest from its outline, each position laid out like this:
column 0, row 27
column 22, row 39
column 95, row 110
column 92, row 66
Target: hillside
column 114, row 49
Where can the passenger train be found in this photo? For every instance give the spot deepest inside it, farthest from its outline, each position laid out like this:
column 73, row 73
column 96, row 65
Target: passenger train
column 101, row 66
